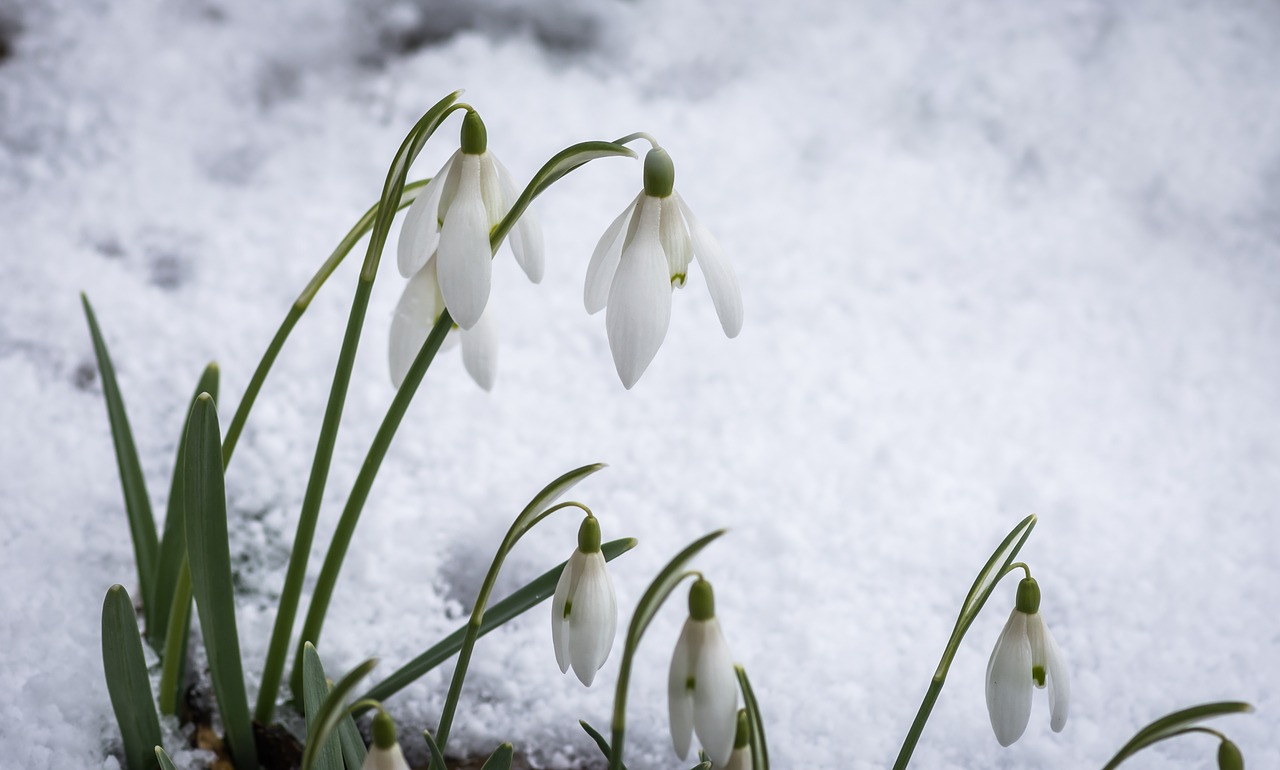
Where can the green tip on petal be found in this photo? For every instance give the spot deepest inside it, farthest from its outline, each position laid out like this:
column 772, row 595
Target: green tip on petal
column 589, row 535
column 1229, row 756
column 702, row 600
column 475, row 139
column 743, row 735
column 384, row 730
column 1028, row 596
column 659, row 173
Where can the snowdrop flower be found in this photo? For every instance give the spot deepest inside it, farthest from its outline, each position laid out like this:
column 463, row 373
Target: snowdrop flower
column 453, row 217
column 741, row 757
column 419, row 308
column 584, row 611
column 1025, row 654
column 702, row 688
column 643, row 255
column 384, row 753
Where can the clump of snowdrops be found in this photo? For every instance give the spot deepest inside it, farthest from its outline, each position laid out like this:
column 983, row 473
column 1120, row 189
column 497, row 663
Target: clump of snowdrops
column 454, row 225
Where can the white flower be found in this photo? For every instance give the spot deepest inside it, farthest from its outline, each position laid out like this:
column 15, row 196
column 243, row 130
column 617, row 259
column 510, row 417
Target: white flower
column 1025, row 655
column 419, row 308
column 453, row 216
column 633, row 272
column 384, row 752
column 741, row 757
column 584, row 611
column 702, row 687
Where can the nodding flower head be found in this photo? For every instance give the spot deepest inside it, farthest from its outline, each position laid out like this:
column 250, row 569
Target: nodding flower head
column 1025, row 656
column 384, row 752
column 702, row 687
column 584, row 610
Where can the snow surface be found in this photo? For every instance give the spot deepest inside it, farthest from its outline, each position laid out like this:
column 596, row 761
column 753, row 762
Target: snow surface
column 997, row 258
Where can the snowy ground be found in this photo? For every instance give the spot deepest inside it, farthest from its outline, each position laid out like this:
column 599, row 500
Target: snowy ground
column 997, row 258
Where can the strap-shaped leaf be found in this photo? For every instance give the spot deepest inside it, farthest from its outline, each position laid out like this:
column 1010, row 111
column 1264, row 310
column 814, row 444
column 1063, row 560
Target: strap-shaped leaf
column 315, row 688
column 437, row 758
column 500, row 759
column 331, row 711
column 174, row 659
column 1171, row 724
column 209, row 557
column 599, row 739
column 163, row 759
column 137, row 503
column 353, row 748
column 173, row 545
column 519, row 602
column 127, row 682
column 759, row 748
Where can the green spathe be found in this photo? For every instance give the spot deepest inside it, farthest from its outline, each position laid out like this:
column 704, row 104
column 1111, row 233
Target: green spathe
column 475, row 138
column 1229, row 757
column 659, row 173
column 1028, row 600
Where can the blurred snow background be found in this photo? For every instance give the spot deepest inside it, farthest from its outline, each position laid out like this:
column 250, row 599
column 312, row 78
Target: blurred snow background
column 998, row 258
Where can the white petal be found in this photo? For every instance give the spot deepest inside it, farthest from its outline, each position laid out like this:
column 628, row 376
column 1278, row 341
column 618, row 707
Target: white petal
column 741, row 759
column 450, row 189
column 639, row 300
column 1059, row 682
column 1009, row 681
column 491, row 189
column 526, row 236
column 480, row 350
column 715, row 696
column 722, row 283
column 560, row 630
column 465, row 260
column 594, row 620
column 675, row 240
column 385, row 759
column 604, row 260
column 679, row 694
column 419, row 307
column 420, row 231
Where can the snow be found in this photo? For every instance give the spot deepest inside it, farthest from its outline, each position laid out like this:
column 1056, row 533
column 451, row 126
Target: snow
column 997, row 259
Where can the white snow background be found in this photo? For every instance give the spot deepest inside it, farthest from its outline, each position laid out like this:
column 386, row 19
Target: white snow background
column 997, row 258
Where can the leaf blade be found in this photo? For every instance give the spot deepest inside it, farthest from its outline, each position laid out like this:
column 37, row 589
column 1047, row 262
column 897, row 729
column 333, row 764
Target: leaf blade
column 127, row 683
column 315, row 688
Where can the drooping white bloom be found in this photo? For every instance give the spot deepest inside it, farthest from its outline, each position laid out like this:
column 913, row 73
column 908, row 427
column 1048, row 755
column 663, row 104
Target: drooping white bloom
column 584, row 610
column 642, row 256
column 702, row 687
column 1025, row 655
column 420, row 306
column 384, row 752
column 453, row 216
column 741, row 757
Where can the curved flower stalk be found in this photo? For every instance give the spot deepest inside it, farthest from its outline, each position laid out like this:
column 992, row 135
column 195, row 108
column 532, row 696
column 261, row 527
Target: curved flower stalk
column 1025, row 654
column 702, row 685
column 645, row 254
column 453, row 219
column 420, row 306
column 584, row 611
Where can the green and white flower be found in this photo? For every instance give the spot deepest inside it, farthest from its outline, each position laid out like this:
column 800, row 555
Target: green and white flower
column 584, row 610
column 1025, row 655
column 419, row 308
column 702, row 686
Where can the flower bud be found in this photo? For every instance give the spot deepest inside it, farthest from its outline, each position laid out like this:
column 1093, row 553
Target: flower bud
column 1229, row 757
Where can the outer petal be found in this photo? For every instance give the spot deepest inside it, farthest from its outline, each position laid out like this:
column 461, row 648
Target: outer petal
column 675, row 240
column 465, row 260
column 419, row 307
column 594, row 620
column 526, row 237
column 1044, row 651
column 1009, row 681
column 604, row 260
column 420, row 232
column 679, row 693
column 560, row 627
column 715, row 696
column 480, row 350
column 491, row 189
column 639, row 300
column 722, row 283
column 385, row 759
column 741, row 759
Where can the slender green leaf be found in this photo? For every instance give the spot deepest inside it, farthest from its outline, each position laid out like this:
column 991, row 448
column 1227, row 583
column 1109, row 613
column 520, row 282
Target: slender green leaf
column 315, row 688
column 173, row 544
column 759, row 748
column 500, row 759
column 353, row 748
column 163, row 759
column 290, row 595
column 127, row 682
column 174, row 660
column 650, row 602
column 209, row 556
column 599, row 739
column 1170, row 724
column 437, row 757
column 331, row 711
column 137, row 503
column 520, row 601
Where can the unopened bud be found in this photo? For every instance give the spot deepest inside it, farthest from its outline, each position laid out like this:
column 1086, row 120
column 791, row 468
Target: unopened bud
column 1229, row 757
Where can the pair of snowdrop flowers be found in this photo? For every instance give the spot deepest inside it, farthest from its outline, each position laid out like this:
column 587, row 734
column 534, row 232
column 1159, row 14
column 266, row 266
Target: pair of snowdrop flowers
column 702, row 685
column 1025, row 656
column 645, row 253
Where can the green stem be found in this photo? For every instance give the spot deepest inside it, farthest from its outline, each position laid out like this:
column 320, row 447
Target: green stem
column 328, row 579
column 175, row 645
column 922, row 716
column 290, row 595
